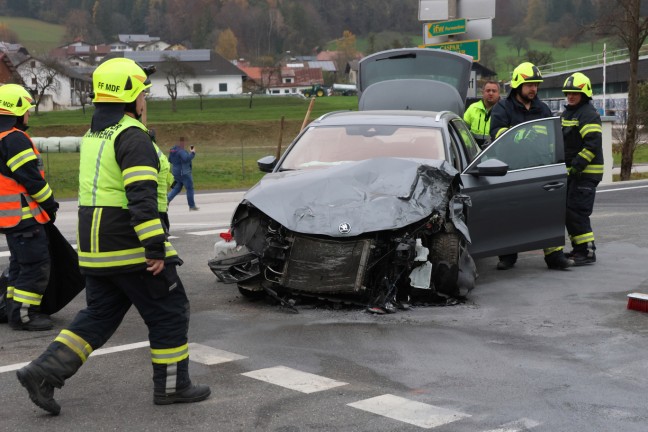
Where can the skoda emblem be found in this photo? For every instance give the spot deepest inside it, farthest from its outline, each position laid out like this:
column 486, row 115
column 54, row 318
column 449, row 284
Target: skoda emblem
column 344, row 228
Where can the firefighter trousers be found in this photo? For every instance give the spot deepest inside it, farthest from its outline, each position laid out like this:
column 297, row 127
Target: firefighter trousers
column 160, row 300
column 581, row 192
column 29, row 268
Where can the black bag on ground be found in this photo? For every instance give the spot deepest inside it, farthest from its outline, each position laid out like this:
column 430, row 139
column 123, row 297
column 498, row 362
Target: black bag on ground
column 65, row 280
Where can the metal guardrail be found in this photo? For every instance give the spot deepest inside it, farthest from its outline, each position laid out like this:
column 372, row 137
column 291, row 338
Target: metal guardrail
column 590, row 61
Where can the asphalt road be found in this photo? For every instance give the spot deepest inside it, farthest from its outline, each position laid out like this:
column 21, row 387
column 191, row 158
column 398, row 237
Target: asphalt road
column 532, row 349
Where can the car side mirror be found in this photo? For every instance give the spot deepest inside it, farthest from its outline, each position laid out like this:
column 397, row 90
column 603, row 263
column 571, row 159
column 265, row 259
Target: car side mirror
column 267, row 163
column 490, row 168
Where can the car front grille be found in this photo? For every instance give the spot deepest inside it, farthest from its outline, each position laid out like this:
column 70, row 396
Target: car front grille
column 326, row 266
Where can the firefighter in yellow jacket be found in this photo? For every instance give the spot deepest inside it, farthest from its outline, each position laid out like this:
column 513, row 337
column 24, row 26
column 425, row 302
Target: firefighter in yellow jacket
column 26, row 204
column 123, row 248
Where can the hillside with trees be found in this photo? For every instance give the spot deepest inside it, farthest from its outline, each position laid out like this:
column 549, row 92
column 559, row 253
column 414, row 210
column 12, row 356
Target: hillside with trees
column 268, row 28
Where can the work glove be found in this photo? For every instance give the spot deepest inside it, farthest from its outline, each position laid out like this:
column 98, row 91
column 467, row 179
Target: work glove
column 573, row 172
column 51, row 210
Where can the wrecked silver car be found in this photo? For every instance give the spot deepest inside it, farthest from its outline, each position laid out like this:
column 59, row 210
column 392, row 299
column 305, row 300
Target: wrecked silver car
column 389, row 204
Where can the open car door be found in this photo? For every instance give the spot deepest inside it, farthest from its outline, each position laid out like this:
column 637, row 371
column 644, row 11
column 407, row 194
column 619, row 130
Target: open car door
column 520, row 207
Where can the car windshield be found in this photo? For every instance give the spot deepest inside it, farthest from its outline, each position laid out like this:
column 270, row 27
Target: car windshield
column 325, row 146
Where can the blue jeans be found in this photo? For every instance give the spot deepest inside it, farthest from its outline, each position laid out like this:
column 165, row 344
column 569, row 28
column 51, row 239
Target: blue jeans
column 185, row 181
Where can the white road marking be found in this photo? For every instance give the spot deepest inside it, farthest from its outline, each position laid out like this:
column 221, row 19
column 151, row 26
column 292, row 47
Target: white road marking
column 7, row 253
column 293, row 379
column 211, row 356
column 620, row 189
column 12, row 367
column 119, row 348
column 100, row 351
column 516, row 426
column 203, row 233
column 408, row 411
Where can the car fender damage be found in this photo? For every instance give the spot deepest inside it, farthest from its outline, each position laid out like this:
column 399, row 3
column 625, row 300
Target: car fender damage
column 360, row 232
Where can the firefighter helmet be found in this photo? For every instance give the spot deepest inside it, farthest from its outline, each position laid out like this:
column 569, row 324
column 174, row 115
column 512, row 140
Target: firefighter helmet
column 578, row 83
column 119, row 80
column 14, row 100
column 525, row 73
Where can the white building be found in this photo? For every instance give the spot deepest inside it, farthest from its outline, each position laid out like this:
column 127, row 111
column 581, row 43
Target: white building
column 209, row 74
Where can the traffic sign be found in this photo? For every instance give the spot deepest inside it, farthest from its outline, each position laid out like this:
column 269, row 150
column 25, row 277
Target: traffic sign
column 470, row 48
column 446, row 27
column 433, row 10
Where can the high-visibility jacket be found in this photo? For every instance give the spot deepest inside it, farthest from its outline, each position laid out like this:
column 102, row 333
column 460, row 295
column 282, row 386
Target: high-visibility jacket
column 582, row 133
column 477, row 116
column 163, row 180
column 14, row 194
column 119, row 201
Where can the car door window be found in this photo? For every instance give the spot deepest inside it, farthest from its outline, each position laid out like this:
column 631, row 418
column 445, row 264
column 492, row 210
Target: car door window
column 527, row 145
column 467, row 140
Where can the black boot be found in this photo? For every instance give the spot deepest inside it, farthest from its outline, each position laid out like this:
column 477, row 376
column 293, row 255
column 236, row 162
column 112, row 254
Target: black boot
column 24, row 316
column 173, row 385
column 4, row 301
column 47, row 372
column 558, row 261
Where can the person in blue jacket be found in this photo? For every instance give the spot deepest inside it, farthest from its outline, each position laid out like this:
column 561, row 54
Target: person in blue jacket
column 180, row 160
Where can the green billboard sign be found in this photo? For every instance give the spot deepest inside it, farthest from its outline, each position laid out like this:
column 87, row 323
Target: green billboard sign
column 470, row 48
column 445, row 28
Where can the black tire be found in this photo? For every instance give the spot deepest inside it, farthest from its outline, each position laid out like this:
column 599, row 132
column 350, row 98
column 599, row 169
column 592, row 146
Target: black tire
column 307, row 94
column 445, row 249
column 445, row 246
column 320, row 93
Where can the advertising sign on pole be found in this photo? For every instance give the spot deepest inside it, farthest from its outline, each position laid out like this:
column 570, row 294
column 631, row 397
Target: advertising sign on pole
column 470, row 48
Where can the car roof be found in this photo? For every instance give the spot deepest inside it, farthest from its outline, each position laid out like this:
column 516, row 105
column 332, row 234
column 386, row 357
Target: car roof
column 393, row 117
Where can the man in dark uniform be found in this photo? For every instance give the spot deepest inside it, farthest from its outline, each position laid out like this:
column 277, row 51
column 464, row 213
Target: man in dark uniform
column 26, row 205
column 582, row 133
column 123, row 248
column 520, row 106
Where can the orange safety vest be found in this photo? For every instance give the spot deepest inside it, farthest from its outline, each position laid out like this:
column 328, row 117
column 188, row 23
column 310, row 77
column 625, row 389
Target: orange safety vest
column 11, row 211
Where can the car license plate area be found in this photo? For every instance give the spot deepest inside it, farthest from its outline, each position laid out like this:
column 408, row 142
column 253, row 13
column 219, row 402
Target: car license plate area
column 326, row 266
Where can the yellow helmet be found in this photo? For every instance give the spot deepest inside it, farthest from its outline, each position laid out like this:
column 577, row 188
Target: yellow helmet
column 578, row 83
column 525, row 73
column 118, row 80
column 14, row 100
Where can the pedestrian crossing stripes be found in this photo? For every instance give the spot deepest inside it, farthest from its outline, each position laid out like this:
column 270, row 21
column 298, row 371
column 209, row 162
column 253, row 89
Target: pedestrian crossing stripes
column 293, row 379
column 409, row 411
column 394, row 407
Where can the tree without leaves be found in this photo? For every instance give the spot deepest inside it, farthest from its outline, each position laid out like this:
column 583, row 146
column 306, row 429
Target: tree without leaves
column 518, row 40
column 540, row 58
column 624, row 20
column 176, row 73
column 42, row 77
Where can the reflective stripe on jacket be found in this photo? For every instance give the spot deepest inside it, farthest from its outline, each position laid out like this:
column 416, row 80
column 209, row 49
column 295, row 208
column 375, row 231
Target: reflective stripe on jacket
column 11, row 209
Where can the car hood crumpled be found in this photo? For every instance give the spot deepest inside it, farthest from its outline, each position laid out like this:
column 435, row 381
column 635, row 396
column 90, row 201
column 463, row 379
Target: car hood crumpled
column 356, row 197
